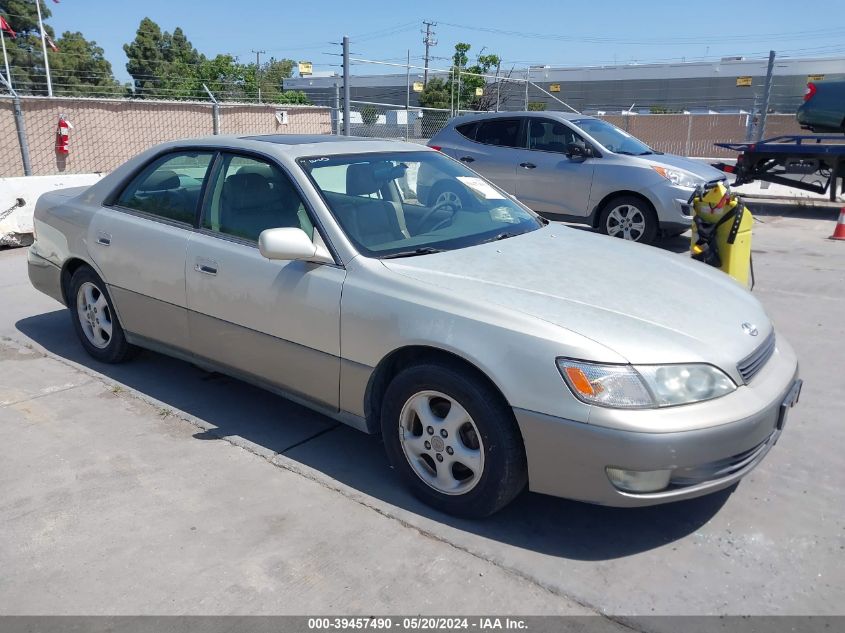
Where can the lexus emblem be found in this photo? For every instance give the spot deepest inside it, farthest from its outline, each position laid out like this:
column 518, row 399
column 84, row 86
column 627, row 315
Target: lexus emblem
column 750, row 329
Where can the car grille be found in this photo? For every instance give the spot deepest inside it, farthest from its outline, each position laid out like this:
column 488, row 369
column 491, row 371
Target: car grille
column 719, row 469
column 750, row 365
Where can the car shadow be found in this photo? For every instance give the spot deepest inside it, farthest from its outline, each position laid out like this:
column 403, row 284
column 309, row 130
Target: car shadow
column 274, row 425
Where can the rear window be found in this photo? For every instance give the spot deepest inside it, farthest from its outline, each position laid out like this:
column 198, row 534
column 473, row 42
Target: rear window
column 467, row 130
column 503, row 132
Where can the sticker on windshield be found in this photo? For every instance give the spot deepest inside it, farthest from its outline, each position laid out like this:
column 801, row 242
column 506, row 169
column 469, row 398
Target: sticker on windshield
column 481, row 187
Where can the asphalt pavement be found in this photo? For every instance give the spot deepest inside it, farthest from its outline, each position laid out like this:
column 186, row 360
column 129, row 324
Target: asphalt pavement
column 154, row 487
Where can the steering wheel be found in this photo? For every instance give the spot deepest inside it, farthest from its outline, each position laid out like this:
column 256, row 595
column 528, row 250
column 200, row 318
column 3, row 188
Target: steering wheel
column 443, row 204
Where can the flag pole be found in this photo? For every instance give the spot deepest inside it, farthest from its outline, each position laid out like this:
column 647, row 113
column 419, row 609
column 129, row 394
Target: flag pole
column 44, row 48
column 6, row 59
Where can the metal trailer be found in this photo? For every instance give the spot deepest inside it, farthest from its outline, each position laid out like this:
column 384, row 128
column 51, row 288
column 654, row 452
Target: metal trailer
column 776, row 159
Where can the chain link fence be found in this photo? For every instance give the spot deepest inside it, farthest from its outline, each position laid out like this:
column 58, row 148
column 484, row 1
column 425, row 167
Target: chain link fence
column 107, row 132
column 379, row 120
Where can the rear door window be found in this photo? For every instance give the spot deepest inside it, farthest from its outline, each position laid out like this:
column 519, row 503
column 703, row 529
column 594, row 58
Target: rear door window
column 501, row 132
column 169, row 187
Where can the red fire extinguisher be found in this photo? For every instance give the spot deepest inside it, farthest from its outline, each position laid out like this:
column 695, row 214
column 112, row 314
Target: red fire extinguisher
column 63, row 135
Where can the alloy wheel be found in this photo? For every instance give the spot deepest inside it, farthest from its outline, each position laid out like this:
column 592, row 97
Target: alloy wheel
column 626, row 221
column 441, row 442
column 94, row 315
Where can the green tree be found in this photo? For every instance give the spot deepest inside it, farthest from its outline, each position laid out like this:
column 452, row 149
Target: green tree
column 146, row 59
column 81, row 68
column 78, row 68
column 272, row 77
column 165, row 65
column 436, row 94
column 294, row 97
column 441, row 94
column 369, row 114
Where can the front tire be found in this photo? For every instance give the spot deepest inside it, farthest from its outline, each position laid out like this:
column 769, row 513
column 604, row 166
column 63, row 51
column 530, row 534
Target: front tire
column 453, row 439
column 95, row 319
column 630, row 218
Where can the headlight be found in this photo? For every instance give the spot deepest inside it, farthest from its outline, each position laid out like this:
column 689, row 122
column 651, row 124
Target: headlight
column 643, row 386
column 680, row 384
column 680, row 178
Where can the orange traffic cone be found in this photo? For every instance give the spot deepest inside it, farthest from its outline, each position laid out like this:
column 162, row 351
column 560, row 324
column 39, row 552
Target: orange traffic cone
column 839, row 231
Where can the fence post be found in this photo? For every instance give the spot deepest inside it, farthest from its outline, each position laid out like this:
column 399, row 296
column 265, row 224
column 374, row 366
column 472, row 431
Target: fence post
column 689, row 135
column 336, row 111
column 346, row 87
column 452, row 93
column 408, row 96
column 215, row 112
column 19, row 124
column 767, row 94
column 498, row 85
column 527, row 79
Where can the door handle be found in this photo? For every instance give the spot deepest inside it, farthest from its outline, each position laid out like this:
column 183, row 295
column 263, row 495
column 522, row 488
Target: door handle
column 104, row 239
column 527, row 165
column 205, row 266
column 467, row 159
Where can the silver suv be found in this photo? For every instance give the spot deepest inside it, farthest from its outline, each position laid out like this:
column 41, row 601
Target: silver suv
column 574, row 168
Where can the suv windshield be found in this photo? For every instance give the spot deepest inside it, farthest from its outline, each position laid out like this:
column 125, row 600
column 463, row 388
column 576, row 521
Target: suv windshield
column 612, row 138
column 402, row 204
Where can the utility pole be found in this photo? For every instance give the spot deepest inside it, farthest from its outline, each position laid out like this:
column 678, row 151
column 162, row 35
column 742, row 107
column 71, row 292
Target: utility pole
column 429, row 41
column 258, row 55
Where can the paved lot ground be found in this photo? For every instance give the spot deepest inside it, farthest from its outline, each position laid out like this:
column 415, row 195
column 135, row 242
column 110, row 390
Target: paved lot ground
column 156, row 488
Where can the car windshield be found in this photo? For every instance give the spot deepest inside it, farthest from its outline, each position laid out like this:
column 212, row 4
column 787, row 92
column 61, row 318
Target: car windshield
column 612, row 138
column 403, row 204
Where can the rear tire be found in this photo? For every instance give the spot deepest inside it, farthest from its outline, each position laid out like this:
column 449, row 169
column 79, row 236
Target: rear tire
column 630, row 218
column 94, row 318
column 453, row 439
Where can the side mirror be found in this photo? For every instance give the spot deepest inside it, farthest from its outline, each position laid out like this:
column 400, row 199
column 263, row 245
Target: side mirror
column 290, row 244
column 578, row 151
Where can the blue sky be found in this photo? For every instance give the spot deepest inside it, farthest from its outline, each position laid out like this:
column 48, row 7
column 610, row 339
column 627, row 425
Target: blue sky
column 533, row 31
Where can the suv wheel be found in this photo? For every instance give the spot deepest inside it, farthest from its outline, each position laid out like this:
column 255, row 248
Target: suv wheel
column 455, row 442
column 629, row 218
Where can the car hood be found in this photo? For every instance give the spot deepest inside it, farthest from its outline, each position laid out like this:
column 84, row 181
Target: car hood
column 695, row 167
column 647, row 305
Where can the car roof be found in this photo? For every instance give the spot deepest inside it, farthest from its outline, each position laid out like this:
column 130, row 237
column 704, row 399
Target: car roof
column 550, row 114
column 298, row 145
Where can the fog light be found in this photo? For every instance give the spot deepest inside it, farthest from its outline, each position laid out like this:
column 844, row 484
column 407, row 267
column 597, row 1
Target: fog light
column 639, row 480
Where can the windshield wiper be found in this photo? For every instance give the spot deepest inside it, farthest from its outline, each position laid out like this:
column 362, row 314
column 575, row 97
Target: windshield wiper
column 500, row 236
column 426, row 250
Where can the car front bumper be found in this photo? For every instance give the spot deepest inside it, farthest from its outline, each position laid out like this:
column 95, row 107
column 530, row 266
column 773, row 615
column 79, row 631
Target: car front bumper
column 569, row 459
column 672, row 206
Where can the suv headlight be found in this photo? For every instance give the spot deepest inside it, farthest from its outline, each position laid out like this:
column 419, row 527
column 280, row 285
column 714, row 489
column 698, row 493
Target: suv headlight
column 677, row 177
column 643, row 386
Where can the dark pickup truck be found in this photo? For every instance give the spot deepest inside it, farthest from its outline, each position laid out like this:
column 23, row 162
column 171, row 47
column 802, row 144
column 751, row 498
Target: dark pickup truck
column 823, row 109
